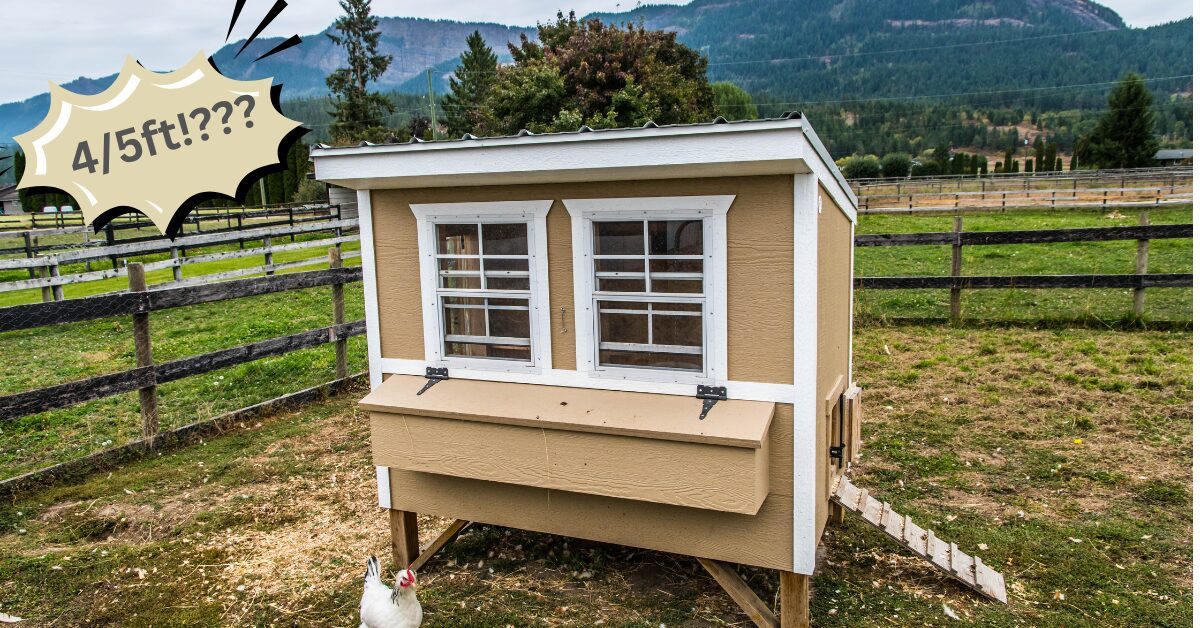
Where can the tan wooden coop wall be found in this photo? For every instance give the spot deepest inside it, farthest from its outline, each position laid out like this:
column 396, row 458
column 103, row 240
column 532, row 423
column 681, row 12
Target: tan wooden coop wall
column 835, row 250
column 760, row 264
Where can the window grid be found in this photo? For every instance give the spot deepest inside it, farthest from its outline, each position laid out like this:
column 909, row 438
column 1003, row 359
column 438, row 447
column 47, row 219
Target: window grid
column 487, row 295
column 649, row 297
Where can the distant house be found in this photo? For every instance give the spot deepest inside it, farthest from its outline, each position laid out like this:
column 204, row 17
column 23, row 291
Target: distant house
column 10, row 203
column 1174, row 157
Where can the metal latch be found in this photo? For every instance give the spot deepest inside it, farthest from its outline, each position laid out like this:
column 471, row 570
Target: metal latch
column 711, row 395
column 434, row 375
column 835, row 451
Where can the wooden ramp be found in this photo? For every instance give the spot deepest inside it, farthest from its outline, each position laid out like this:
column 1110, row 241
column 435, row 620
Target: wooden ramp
column 945, row 556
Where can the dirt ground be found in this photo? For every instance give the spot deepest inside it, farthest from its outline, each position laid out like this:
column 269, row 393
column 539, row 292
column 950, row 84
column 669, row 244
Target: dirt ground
column 1062, row 457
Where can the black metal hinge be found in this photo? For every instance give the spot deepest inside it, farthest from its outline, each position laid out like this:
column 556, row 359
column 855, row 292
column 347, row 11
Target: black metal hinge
column 710, row 395
column 434, row 375
column 835, row 451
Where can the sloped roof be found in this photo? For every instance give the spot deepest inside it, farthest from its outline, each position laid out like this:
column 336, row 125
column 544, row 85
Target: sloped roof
column 1174, row 153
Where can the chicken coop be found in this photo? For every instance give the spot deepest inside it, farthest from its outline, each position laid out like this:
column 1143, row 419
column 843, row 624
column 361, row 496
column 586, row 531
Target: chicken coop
column 635, row 336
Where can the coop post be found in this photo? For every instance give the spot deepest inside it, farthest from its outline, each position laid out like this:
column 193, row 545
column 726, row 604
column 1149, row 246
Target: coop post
column 956, row 270
column 837, row 514
column 405, row 548
column 177, row 268
column 148, row 396
column 339, row 315
column 54, row 272
column 793, row 600
column 1141, row 266
column 268, row 258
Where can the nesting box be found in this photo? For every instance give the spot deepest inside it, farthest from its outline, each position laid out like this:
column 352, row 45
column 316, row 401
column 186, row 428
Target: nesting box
column 637, row 336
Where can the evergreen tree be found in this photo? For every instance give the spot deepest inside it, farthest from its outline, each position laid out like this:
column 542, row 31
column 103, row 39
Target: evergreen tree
column 1073, row 164
column 358, row 114
column 732, row 102
column 1008, row 161
column 18, row 172
column 1028, row 165
column 1039, row 150
column 469, row 87
column 1058, row 164
column 999, row 168
column 1124, row 136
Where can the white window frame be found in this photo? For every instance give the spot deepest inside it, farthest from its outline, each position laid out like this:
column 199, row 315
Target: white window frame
column 712, row 210
column 532, row 213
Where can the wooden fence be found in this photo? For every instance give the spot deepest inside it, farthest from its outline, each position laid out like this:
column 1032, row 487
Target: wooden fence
column 1002, row 200
column 956, row 282
column 1168, row 175
column 139, row 303
column 45, row 273
column 73, row 222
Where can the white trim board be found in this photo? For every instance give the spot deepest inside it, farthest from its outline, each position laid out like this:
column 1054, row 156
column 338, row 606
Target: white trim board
column 805, row 270
column 383, row 486
column 751, row 391
column 366, row 234
column 691, row 151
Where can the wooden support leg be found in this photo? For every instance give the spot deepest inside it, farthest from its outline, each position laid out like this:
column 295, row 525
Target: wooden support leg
column 444, row 539
column 405, row 548
column 746, row 599
column 793, row 600
column 837, row 514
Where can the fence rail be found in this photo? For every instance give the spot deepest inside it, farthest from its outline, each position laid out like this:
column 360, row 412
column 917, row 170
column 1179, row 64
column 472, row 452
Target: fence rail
column 51, row 280
column 139, row 303
column 956, row 282
column 1015, row 179
column 1023, row 200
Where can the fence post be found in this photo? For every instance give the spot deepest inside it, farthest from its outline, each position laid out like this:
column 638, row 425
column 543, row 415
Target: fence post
column 177, row 269
column 241, row 242
column 268, row 258
column 956, row 270
column 1140, row 267
column 148, row 396
column 292, row 221
column 29, row 252
column 57, row 289
column 44, row 273
column 339, row 315
column 109, row 240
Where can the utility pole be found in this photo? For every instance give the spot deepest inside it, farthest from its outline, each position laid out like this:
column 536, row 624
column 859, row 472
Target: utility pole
column 432, row 105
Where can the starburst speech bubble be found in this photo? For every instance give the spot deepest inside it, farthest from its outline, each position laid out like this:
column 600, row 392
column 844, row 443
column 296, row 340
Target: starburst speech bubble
column 158, row 143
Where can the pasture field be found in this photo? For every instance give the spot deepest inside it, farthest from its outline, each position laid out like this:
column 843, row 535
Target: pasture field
column 1100, row 306
column 1061, row 456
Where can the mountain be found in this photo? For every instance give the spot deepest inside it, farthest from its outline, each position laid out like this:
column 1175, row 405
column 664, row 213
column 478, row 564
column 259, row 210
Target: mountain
column 795, row 52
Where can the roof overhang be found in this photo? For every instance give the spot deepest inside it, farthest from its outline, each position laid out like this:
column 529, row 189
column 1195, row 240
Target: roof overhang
column 767, row 147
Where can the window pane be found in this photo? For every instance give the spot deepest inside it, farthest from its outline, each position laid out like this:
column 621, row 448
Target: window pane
column 472, row 350
column 620, row 285
column 508, row 283
column 646, row 359
column 676, row 237
column 464, row 320
column 678, row 330
column 509, row 323
column 619, row 238
column 621, row 327
column 677, row 266
column 676, row 286
column 491, row 265
column 456, row 281
column 458, row 239
column 505, row 239
column 621, row 265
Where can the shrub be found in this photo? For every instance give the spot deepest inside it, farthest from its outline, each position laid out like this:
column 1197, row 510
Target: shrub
column 895, row 165
column 860, row 167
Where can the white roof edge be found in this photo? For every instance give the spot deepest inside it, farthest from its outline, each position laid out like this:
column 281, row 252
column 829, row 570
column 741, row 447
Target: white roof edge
column 825, row 167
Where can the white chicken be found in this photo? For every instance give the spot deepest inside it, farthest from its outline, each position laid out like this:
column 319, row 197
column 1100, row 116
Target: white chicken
column 383, row 607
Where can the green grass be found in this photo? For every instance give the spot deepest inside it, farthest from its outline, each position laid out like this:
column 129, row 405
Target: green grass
column 1101, row 305
column 1066, row 452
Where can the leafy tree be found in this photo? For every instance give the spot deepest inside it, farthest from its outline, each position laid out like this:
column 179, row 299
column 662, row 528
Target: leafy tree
column 358, row 113
column 860, row 167
column 733, row 102
column 895, row 165
column 1124, row 136
column 470, row 86
column 602, row 75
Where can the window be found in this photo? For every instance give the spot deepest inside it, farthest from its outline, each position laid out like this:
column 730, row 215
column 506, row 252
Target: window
column 650, row 276
column 484, row 286
column 649, row 293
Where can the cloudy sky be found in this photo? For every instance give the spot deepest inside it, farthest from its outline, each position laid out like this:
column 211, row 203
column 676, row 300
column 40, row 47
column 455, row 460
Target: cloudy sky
column 59, row 40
